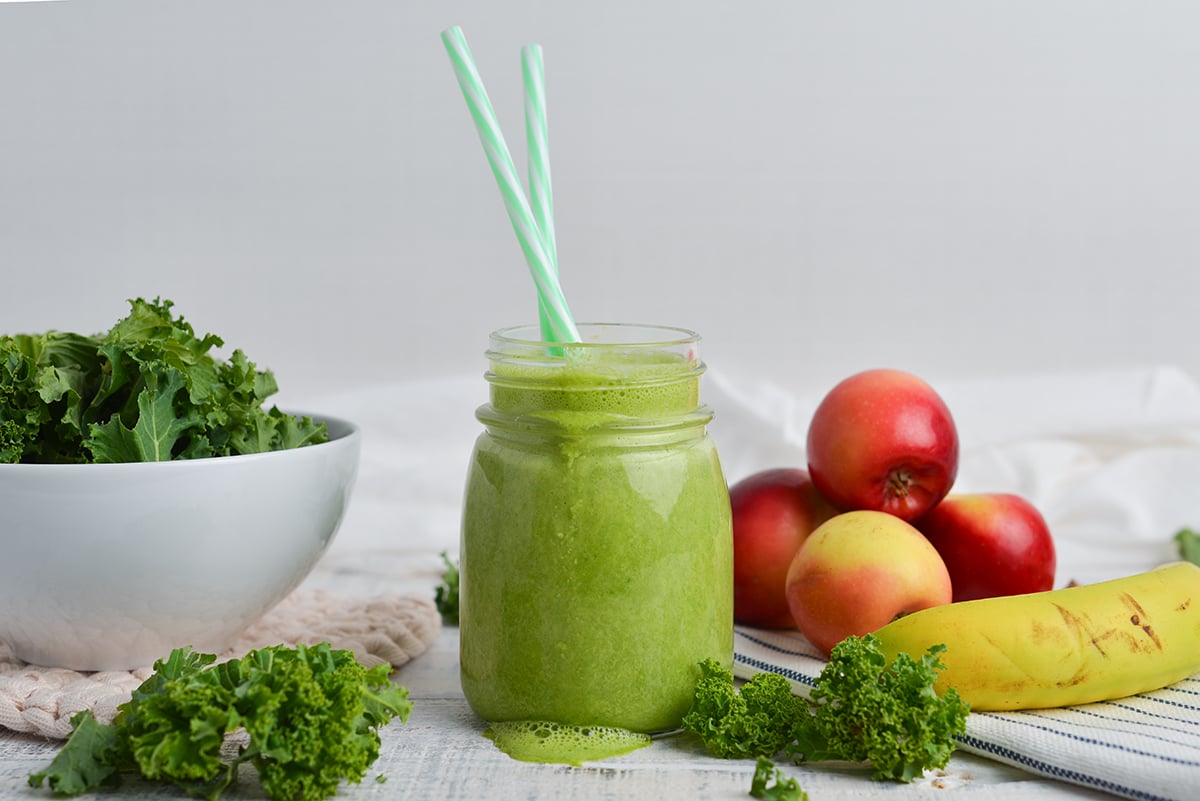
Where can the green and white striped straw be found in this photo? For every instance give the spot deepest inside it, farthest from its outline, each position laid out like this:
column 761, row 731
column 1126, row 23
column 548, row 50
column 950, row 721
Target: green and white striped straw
column 541, row 198
column 529, row 235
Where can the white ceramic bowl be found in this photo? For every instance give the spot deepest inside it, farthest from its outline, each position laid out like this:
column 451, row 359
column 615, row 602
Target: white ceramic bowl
column 110, row 566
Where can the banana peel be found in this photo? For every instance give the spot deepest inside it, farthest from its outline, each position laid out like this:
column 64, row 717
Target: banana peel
column 1062, row 647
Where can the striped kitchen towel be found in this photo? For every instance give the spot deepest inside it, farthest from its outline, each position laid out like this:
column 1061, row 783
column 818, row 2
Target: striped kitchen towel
column 1145, row 747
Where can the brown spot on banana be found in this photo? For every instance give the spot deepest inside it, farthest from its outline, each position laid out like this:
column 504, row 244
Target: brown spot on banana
column 1080, row 627
column 1042, row 635
column 1138, row 619
column 1079, row 677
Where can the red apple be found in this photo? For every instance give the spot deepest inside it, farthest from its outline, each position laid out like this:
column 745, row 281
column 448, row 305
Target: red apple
column 858, row 572
column 883, row 440
column 774, row 511
column 992, row 544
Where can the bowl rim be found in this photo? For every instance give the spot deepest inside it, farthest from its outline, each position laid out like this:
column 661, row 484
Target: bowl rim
column 340, row 430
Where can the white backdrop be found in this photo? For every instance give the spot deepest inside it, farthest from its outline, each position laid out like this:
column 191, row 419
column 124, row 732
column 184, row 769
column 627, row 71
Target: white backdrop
column 958, row 189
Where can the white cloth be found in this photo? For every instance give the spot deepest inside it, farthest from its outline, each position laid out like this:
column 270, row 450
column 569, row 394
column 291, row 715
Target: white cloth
column 1144, row 747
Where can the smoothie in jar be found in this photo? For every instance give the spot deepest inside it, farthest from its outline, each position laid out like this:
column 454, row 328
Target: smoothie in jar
column 596, row 558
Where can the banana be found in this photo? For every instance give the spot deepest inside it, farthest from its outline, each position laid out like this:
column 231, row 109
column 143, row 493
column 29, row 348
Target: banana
column 1062, row 647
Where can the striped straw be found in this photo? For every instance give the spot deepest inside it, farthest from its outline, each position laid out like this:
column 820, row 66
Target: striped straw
column 529, row 235
column 541, row 198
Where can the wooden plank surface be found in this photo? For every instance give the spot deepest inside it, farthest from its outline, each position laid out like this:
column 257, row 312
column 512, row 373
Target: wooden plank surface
column 442, row 755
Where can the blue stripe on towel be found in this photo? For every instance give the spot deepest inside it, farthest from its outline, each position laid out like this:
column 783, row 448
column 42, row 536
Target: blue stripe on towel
column 1044, row 723
column 772, row 647
column 758, row 664
column 1013, row 757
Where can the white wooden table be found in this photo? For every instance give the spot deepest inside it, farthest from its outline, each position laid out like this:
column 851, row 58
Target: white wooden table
column 441, row 754
column 406, row 510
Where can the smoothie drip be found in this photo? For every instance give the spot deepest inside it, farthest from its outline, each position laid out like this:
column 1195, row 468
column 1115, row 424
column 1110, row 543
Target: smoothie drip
column 535, row 741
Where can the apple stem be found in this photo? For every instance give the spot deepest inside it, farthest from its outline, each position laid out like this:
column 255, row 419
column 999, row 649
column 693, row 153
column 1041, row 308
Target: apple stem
column 899, row 482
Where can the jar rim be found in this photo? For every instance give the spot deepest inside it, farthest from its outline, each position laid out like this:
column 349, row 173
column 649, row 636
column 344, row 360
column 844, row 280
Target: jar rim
column 635, row 345
column 601, row 335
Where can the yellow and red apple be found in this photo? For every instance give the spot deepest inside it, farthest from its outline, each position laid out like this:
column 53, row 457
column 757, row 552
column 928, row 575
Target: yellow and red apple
column 858, row 572
column 883, row 440
column 774, row 511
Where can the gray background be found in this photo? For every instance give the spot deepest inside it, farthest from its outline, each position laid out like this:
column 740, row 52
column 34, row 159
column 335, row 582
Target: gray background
column 958, row 189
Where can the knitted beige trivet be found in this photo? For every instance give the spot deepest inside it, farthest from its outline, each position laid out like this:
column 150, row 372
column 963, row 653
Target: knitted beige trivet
column 391, row 628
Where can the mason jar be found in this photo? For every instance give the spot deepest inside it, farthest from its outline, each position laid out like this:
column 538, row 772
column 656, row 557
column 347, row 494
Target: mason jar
column 596, row 552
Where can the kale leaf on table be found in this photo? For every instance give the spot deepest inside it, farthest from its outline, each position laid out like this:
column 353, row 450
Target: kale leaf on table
column 445, row 595
column 770, row 784
column 149, row 389
column 311, row 715
column 862, row 709
column 759, row 720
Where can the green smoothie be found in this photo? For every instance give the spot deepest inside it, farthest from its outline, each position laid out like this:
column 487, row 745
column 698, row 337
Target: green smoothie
column 596, row 559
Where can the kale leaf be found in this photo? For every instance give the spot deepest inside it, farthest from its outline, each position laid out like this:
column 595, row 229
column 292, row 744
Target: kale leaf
column 1189, row 545
column 770, row 783
column 862, row 709
column 445, row 595
column 311, row 715
column 149, row 389
column 757, row 721
column 866, row 710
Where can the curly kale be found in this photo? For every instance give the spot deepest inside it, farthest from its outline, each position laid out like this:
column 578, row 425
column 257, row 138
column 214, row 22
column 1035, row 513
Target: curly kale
column 770, row 783
column 862, row 709
column 311, row 716
column 758, row 721
column 149, row 389
column 445, row 595
column 865, row 710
